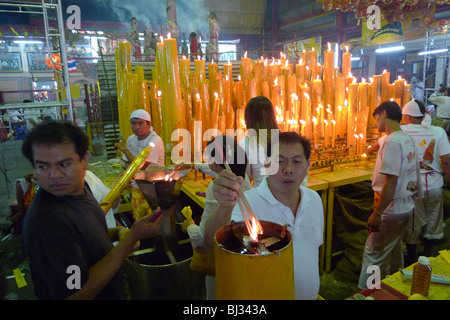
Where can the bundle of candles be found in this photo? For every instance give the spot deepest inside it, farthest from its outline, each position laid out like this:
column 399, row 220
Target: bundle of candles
column 324, row 103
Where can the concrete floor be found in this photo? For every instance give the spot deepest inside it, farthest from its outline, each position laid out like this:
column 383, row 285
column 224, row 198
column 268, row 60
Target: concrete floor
column 11, row 256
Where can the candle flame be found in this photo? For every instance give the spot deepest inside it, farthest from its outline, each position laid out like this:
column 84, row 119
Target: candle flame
column 399, row 77
column 329, row 46
column 346, row 102
column 356, row 136
column 216, row 95
column 184, row 57
column 363, row 80
column 265, row 62
column 239, row 77
column 384, row 71
column 159, row 93
column 300, row 61
column 361, row 135
column 198, row 96
column 169, row 35
column 326, row 122
column 333, row 121
column 306, row 95
column 294, row 96
column 276, row 81
column 212, row 61
column 314, row 120
column 161, row 38
column 346, row 48
column 243, row 123
column 286, row 63
column 227, row 78
column 229, row 61
column 303, row 122
column 151, row 144
column 254, row 230
column 278, row 109
column 292, row 122
column 245, row 54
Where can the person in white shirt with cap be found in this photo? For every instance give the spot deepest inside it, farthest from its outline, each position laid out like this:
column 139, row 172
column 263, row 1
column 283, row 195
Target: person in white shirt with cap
column 433, row 151
column 141, row 124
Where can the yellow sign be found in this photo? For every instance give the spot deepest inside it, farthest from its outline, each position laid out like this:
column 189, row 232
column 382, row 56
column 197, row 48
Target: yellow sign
column 412, row 27
column 294, row 49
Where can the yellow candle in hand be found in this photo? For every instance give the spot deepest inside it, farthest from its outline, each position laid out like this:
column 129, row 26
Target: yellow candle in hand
column 124, row 179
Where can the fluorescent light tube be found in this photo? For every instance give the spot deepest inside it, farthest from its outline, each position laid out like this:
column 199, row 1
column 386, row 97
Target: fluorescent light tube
column 28, row 41
column 389, row 49
column 432, row 51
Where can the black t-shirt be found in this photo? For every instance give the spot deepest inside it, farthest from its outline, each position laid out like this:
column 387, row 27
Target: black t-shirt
column 63, row 232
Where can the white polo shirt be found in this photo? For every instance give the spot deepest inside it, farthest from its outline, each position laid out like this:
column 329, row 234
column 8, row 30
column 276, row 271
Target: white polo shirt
column 135, row 146
column 306, row 229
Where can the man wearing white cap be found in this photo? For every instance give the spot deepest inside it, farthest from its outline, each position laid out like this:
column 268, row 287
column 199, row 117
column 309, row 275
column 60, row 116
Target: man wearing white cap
column 433, row 148
column 142, row 137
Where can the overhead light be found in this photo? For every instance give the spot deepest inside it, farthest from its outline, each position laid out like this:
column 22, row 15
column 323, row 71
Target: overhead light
column 432, row 51
column 355, row 58
column 389, row 49
column 28, row 41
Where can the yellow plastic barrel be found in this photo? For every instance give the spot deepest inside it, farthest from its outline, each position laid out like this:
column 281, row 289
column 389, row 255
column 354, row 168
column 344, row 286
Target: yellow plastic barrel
column 250, row 276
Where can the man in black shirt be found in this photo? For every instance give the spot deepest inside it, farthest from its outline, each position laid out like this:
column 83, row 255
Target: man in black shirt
column 66, row 237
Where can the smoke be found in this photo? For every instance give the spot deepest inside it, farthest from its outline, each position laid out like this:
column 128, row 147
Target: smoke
column 192, row 15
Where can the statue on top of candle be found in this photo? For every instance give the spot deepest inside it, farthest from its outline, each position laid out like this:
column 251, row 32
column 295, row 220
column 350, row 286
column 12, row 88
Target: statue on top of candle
column 149, row 44
column 193, row 45
column 212, row 49
column 184, row 46
column 134, row 40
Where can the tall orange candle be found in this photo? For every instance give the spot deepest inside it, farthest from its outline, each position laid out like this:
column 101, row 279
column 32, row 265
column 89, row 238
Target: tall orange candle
column 173, row 79
column 185, row 69
column 346, row 63
column 352, row 114
column 399, row 85
column 385, row 86
column 246, row 67
column 328, row 77
column 199, row 67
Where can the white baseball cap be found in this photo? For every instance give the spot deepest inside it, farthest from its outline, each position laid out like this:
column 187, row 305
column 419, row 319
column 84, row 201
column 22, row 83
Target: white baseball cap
column 412, row 109
column 141, row 114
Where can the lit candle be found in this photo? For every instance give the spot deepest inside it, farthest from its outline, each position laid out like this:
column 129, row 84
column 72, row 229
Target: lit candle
column 406, row 93
column 185, row 69
column 275, row 93
column 215, row 111
column 199, row 67
column 157, row 121
column 306, row 113
column 346, row 63
column 385, row 94
column 246, row 67
column 296, row 107
column 314, row 120
column 238, row 92
column 303, row 123
column 352, row 113
column 173, row 79
column 300, row 70
column 399, row 85
column 333, row 133
column 328, row 77
column 375, row 91
column 363, row 107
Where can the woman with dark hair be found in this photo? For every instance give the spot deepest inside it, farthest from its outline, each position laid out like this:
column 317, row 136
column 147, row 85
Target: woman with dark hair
column 259, row 118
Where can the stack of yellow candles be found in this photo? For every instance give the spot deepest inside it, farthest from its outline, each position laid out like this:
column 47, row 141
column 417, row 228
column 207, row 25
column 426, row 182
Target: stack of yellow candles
column 323, row 102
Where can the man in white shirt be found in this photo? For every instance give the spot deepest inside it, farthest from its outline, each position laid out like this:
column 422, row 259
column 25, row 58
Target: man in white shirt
column 281, row 199
column 395, row 181
column 141, row 124
column 433, row 150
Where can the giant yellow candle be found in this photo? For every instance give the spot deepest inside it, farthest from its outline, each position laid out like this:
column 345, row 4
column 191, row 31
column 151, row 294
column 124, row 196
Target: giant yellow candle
column 352, row 113
column 173, row 79
column 346, row 63
column 385, row 88
column 306, row 114
column 375, row 96
column 185, row 69
column 199, row 67
column 246, row 67
column 124, row 179
column 328, row 77
column 406, row 93
column 399, row 85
